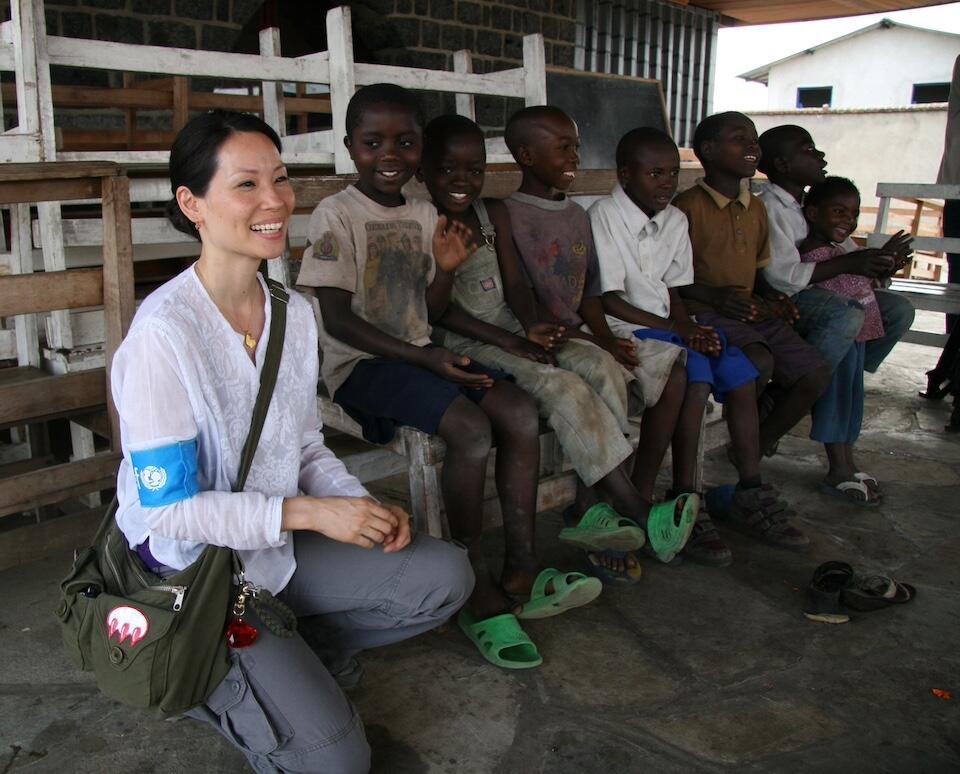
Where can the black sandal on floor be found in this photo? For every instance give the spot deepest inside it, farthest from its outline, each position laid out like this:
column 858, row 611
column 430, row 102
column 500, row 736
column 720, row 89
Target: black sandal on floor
column 822, row 601
column 937, row 386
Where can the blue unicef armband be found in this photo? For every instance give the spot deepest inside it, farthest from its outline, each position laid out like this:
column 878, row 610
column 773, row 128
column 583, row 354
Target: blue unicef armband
column 167, row 474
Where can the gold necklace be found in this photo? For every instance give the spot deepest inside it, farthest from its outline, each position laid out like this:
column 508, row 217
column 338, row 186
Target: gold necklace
column 248, row 339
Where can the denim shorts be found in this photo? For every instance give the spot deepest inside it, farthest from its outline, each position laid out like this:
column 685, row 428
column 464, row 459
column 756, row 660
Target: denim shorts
column 381, row 394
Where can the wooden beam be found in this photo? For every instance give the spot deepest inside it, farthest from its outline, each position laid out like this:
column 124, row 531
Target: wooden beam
column 66, row 171
column 14, row 192
column 48, row 538
column 118, row 301
column 56, row 483
column 41, row 292
column 29, row 394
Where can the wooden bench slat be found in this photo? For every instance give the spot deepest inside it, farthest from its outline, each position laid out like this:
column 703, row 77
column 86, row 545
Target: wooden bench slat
column 53, row 484
column 29, row 394
column 42, row 291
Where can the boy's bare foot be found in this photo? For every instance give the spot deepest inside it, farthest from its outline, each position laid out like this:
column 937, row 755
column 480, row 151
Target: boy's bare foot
column 518, row 576
column 488, row 598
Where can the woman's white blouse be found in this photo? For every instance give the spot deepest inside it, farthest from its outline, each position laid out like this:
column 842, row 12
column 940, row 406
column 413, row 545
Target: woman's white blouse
column 182, row 373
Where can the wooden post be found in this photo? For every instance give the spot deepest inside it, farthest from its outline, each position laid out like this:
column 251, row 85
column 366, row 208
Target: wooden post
column 118, row 302
column 272, row 91
column 463, row 63
column 342, row 85
column 181, row 102
column 21, row 250
column 426, row 507
column 534, row 70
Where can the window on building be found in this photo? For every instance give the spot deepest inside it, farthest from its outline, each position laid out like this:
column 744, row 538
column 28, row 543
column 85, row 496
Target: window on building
column 814, row 96
column 672, row 42
column 924, row 93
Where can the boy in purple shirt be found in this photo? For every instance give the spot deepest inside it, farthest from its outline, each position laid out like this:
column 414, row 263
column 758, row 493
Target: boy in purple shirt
column 553, row 238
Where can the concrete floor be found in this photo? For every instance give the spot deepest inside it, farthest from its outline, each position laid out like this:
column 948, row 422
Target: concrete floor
column 695, row 669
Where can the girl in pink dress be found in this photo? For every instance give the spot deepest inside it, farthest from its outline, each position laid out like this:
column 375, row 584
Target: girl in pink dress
column 832, row 208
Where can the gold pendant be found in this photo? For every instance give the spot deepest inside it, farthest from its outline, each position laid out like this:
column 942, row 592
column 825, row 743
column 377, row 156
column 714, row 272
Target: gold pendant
column 249, row 341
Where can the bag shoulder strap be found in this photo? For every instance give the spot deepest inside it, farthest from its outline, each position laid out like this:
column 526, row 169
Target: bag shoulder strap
column 486, row 225
column 268, row 377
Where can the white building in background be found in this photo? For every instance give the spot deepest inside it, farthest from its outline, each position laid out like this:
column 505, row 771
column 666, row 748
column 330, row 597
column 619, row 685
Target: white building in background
column 884, row 65
column 873, row 101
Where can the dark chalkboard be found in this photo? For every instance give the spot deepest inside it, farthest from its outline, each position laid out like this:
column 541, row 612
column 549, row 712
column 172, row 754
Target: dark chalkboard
column 605, row 107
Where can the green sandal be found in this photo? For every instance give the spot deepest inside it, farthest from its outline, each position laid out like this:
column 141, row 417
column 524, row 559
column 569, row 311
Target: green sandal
column 570, row 590
column 500, row 640
column 669, row 530
column 601, row 527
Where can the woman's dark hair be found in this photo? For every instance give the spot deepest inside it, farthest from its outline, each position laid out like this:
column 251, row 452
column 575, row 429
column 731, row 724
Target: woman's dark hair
column 829, row 188
column 193, row 155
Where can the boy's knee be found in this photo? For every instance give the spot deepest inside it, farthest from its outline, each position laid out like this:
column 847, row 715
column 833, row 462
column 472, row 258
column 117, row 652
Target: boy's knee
column 519, row 416
column 466, row 430
column 677, row 381
column 815, row 382
column 762, row 360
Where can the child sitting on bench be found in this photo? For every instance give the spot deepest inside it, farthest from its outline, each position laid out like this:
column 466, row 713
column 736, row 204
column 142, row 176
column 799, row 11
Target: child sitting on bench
column 490, row 298
column 645, row 256
column 377, row 287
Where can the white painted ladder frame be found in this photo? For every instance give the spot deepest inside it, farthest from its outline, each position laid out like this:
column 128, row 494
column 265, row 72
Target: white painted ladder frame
column 527, row 82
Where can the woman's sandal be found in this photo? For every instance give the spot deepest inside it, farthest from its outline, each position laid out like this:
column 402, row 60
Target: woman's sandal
column 570, row 590
column 872, row 592
column 670, row 523
column 500, row 640
column 822, row 599
column 600, row 528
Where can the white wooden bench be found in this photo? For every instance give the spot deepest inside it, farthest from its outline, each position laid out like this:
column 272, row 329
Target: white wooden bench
column 930, row 296
column 416, row 454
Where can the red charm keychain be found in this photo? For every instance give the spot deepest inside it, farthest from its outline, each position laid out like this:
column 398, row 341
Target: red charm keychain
column 241, row 634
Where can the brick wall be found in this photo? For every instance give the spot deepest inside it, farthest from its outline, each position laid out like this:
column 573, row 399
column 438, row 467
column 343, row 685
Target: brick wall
column 414, row 33
column 423, row 33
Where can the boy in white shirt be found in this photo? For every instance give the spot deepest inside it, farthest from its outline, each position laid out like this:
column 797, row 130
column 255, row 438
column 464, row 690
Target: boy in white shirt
column 643, row 246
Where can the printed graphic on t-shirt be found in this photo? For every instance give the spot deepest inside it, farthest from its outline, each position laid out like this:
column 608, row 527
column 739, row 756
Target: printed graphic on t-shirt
column 395, row 277
column 326, row 247
column 560, row 274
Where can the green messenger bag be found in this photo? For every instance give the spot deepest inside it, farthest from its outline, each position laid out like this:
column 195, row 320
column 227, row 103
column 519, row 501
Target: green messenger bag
column 158, row 643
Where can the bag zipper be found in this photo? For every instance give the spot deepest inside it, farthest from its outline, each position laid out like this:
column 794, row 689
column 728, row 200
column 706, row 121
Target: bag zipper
column 179, row 591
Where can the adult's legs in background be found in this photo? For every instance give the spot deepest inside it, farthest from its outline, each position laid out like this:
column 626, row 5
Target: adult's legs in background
column 951, row 228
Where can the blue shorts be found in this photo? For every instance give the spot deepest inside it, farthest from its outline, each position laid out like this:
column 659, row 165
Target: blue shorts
column 725, row 372
column 381, row 394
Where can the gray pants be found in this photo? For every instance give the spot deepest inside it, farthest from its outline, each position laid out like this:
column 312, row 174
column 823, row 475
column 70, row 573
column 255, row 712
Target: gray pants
column 584, row 400
column 279, row 704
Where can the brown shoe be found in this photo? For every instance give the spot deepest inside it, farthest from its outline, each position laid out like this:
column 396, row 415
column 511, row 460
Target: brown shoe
column 760, row 512
column 705, row 545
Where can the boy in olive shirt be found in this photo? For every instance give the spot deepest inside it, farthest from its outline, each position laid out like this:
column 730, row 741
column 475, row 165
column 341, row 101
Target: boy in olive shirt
column 730, row 240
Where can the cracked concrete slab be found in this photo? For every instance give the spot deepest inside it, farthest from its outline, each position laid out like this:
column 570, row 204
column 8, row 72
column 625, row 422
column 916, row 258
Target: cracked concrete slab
column 693, row 670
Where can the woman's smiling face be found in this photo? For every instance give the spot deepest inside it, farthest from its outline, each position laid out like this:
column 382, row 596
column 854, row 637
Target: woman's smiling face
column 246, row 209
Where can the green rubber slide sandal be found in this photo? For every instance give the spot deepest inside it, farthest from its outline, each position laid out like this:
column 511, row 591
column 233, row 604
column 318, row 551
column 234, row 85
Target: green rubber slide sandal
column 570, row 590
column 601, row 527
column 670, row 523
column 500, row 640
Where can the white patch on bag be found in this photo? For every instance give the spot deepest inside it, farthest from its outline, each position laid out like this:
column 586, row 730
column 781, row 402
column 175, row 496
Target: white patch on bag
column 126, row 622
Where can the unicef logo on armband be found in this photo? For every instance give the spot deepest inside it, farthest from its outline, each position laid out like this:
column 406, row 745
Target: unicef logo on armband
column 153, row 478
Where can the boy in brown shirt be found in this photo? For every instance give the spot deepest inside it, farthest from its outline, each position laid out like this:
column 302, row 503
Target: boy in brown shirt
column 728, row 232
